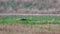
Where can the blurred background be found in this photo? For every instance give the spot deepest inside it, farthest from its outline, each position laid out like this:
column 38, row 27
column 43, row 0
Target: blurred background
column 30, row 6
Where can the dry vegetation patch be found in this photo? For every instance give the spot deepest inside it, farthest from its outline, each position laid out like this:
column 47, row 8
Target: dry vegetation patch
column 29, row 29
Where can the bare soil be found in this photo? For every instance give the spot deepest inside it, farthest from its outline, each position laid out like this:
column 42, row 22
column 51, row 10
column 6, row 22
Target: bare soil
column 29, row 29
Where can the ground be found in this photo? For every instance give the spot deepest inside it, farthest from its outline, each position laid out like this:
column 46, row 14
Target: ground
column 30, row 29
column 10, row 24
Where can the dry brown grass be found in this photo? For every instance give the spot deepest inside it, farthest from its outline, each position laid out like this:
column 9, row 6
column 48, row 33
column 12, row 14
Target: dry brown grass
column 29, row 29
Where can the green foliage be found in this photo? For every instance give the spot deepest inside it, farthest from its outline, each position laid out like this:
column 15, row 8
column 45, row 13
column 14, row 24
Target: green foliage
column 31, row 20
column 41, row 8
column 13, row 5
column 27, row 5
column 8, row 4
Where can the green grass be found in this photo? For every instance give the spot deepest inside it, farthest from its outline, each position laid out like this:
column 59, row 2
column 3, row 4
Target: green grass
column 30, row 19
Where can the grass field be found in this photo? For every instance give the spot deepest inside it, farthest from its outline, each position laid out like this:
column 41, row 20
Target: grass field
column 32, row 25
column 30, row 19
